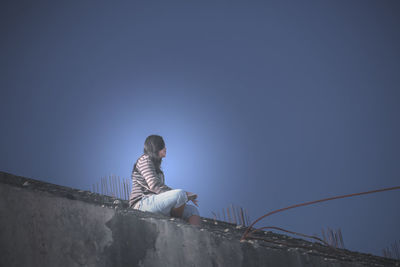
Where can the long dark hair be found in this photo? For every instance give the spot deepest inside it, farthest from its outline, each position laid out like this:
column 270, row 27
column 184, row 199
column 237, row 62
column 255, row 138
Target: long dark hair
column 152, row 146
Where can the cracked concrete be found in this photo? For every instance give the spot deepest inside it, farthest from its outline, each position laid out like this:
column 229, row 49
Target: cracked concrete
column 39, row 229
column 48, row 225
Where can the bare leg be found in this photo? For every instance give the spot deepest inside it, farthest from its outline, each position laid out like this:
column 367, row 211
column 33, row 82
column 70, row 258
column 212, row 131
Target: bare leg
column 177, row 212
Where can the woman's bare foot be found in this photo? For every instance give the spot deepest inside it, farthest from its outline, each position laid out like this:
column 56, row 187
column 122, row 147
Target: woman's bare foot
column 194, row 220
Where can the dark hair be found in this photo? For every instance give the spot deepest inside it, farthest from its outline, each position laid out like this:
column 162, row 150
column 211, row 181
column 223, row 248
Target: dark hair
column 152, row 146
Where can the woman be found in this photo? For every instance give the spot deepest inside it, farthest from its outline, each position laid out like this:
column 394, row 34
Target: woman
column 149, row 192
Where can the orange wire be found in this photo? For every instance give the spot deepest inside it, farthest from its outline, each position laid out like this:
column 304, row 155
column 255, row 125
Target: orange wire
column 313, row 202
column 283, row 230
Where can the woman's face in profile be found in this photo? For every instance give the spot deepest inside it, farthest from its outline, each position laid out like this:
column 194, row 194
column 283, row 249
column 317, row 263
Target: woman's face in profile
column 162, row 153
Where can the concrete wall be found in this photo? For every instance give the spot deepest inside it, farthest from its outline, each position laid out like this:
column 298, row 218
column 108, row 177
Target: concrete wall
column 39, row 228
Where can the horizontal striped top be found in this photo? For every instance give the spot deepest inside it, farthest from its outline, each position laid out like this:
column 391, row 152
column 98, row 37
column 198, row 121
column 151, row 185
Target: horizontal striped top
column 145, row 180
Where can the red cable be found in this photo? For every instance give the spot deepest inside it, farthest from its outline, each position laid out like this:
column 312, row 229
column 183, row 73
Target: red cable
column 313, row 202
column 291, row 232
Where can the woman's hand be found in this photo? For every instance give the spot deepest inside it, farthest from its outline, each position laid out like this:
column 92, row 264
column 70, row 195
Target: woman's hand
column 193, row 197
column 195, row 202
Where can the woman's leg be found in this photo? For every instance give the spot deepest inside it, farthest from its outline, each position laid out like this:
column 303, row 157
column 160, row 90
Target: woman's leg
column 177, row 212
column 172, row 203
column 169, row 203
column 191, row 214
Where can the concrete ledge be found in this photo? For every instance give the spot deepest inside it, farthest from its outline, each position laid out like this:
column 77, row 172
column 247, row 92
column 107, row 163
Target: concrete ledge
column 42, row 224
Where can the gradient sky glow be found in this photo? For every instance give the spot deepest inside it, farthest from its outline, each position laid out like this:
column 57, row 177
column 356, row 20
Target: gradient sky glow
column 262, row 104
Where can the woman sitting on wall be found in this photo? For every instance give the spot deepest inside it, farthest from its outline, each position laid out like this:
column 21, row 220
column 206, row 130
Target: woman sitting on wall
column 149, row 192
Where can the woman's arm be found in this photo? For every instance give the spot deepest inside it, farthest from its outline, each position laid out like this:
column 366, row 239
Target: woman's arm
column 148, row 171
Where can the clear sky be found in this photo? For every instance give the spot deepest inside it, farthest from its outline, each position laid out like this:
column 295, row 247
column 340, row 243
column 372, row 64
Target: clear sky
column 262, row 104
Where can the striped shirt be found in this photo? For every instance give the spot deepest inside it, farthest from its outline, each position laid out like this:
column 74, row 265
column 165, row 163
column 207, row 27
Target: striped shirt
column 145, row 180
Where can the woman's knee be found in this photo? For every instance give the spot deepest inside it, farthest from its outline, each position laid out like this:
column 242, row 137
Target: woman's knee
column 181, row 197
column 180, row 193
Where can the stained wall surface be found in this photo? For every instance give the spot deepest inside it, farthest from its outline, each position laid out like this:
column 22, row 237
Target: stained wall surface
column 49, row 225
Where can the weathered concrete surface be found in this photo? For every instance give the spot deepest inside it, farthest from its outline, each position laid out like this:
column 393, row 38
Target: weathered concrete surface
column 38, row 229
column 49, row 227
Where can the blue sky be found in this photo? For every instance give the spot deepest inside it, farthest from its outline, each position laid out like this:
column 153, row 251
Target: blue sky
column 262, row 104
